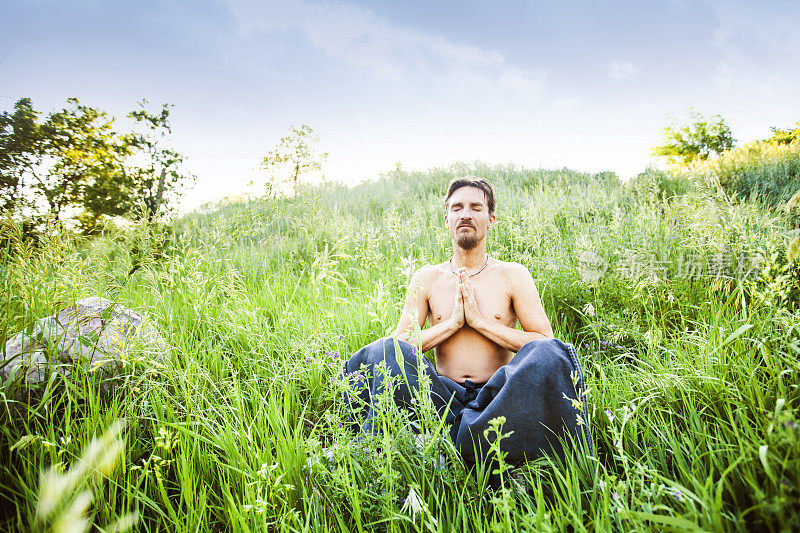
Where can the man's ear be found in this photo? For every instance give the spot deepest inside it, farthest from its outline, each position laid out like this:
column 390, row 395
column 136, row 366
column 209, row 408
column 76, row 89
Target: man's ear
column 491, row 222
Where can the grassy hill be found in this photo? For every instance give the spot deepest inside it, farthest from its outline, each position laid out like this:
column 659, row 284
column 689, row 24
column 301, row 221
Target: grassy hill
column 689, row 344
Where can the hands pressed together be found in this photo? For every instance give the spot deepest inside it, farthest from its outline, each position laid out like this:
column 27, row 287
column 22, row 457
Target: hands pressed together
column 467, row 312
column 466, row 304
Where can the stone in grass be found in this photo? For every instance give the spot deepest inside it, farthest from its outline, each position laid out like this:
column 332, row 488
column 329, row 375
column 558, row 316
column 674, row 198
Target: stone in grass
column 95, row 334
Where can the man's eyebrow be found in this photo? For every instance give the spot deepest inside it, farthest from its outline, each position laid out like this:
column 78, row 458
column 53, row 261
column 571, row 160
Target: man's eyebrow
column 471, row 203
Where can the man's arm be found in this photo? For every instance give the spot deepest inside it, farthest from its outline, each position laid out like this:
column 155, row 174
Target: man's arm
column 527, row 306
column 417, row 304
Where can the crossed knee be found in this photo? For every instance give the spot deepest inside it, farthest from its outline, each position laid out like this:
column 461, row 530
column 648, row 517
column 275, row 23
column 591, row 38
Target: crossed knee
column 386, row 349
column 540, row 362
column 379, row 351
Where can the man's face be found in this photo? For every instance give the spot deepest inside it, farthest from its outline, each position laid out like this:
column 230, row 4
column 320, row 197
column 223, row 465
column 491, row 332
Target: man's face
column 467, row 217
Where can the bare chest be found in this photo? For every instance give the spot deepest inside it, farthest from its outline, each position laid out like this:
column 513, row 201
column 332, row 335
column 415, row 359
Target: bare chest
column 491, row 292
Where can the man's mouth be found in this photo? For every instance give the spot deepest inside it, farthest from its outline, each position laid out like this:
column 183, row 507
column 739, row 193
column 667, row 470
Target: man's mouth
column 464, row 226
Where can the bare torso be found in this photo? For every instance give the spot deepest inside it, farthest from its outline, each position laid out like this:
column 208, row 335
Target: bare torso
column 467, row 354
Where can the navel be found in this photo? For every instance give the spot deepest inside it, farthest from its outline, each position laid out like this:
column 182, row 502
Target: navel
column 497, row 316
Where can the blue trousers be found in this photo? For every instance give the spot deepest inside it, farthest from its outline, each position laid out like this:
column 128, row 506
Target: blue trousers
column 540, row 392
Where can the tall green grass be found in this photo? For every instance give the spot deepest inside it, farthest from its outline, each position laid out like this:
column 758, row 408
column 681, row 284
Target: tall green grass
column 764, row 171
column 692, row 383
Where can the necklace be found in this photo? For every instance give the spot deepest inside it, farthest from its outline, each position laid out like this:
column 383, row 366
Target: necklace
column 476, row 273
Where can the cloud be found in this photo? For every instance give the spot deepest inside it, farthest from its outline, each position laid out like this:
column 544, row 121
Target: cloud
column 619, row 70
column 388, row 52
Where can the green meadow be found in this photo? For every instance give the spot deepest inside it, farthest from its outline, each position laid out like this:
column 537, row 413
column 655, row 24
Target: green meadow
column 689, row 336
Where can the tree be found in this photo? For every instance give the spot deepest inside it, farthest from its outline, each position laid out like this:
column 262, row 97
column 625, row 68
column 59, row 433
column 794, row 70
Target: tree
column 151, row 176
column 294, row 155
column 49, row 164
column 74, row 163
column 161, row 179
column 696, row 140
column 82, row 149
column 20, row 153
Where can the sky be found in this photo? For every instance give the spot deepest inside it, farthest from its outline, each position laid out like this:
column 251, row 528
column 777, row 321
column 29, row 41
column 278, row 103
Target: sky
column 542, row 84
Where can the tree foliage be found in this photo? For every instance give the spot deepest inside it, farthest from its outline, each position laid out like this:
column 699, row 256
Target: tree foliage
column 696, row 138
column 787, row 136
column 80, row 148
column 19, row 152
column 46, row 166
column 295, row 154
column 160, row 179
column 151, row 176
column 74, row 164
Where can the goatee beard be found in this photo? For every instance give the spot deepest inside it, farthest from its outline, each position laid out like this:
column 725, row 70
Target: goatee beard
column 467, row 242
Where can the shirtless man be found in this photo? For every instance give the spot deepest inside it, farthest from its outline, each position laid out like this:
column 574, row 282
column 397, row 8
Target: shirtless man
column 473, row 302
column 485, row 366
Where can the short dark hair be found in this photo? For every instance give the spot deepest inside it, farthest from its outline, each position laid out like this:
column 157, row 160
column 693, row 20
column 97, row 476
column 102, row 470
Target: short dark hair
column 471, row 181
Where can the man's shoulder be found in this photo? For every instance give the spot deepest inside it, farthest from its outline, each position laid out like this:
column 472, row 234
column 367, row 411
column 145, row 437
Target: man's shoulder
column 514, row 275
column 424, row 278
column 510, row 268
column 428, row 272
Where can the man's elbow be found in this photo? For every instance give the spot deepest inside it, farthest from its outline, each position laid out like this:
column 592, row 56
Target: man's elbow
column 545, row 328
column 537, row 336
column 400, row 335
column 545, row 331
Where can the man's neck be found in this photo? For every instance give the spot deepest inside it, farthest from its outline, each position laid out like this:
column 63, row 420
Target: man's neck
column 472, row 259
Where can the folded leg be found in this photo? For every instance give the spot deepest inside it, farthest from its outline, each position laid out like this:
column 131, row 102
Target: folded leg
column 406, row 364
column 541, row 393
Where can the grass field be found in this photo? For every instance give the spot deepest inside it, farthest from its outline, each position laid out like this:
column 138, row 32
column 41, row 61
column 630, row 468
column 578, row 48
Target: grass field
column 692, row 375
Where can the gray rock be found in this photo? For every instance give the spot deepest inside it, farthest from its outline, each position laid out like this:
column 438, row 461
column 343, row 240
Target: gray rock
column 95, row 333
